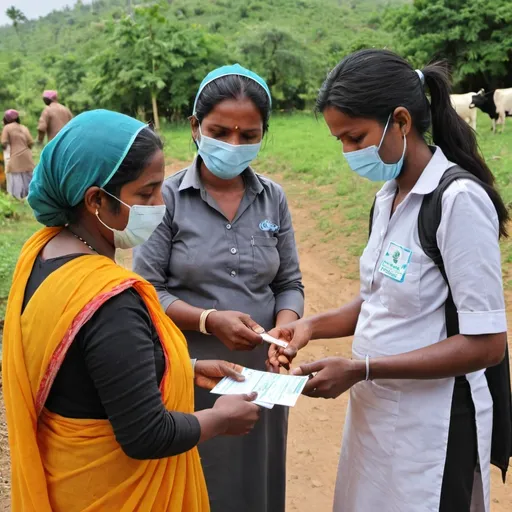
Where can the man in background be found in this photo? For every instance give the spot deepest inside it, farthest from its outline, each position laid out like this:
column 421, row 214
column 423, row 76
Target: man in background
column 53, row 118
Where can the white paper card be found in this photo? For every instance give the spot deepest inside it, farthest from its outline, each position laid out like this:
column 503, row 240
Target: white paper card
column 270, row 339
column 272, row 388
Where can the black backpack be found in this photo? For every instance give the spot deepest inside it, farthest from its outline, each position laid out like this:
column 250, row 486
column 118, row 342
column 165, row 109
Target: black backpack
column 498, row 377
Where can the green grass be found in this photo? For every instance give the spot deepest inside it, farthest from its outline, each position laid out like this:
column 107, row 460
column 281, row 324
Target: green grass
column 15, row 230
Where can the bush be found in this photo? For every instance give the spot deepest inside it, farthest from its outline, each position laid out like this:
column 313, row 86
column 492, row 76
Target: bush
column 7, row 207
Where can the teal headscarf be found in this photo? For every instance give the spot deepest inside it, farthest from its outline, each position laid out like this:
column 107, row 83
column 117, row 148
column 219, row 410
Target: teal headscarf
column 234, row 69
column 86, row 152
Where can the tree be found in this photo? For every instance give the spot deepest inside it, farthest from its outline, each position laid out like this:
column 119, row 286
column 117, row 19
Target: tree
column 149, row 56
column 283, row 62
column 475, row 37
column 140, row 58
column 17, row 17
column 70, row 74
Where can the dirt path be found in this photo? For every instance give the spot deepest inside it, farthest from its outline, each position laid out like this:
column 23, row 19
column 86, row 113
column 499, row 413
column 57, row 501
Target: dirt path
column 315, row 425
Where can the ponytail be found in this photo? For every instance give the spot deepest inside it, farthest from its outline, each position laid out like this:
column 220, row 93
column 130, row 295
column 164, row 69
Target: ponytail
column 456, row 138
column 372, row 83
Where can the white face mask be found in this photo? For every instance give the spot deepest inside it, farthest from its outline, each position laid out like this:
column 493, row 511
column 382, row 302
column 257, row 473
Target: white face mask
column 142, row 222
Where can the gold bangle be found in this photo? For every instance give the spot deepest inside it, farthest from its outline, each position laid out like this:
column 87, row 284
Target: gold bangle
column 202, row 320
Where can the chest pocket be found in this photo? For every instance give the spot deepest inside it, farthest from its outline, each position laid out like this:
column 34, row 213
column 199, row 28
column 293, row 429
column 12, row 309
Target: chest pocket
column 265, row 258
column 403, row 299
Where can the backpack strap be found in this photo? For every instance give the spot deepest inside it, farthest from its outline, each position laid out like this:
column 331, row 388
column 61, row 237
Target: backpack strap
column 429, row 220
column 498, row 377
column 372, row 209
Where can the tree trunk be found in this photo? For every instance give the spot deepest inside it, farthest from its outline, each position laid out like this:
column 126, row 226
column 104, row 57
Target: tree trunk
column 22, row 43
column 141, row 113
column 155, row 111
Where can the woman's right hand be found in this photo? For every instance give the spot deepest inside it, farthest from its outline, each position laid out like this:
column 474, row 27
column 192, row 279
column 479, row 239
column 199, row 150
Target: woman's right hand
column 238, row 413
column 297, row 334
column 236, row 330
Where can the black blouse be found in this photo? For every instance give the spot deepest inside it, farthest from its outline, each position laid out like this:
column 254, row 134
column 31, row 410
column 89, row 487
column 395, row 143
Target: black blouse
column 112, row 371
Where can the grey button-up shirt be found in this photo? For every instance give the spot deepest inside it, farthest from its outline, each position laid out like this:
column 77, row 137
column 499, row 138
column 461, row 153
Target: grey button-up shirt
column 249, row 264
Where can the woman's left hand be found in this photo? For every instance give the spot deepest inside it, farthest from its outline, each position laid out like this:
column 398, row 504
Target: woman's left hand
column 209, row 373
column 334, row 375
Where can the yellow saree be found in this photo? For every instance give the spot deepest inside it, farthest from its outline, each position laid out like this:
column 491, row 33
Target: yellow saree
column 66, row 465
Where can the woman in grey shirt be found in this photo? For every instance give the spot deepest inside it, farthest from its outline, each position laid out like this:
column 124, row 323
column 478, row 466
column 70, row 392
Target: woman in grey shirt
column 225, row 265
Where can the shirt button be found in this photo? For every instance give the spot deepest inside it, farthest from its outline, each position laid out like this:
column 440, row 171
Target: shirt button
column 232, row 273
column 228, row 226
column 233, row 250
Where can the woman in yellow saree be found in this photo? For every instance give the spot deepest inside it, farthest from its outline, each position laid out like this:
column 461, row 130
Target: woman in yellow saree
column 98, row 384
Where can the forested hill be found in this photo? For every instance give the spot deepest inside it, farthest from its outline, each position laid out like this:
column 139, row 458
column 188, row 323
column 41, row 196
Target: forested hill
column 312, row 21
column 72, row 50
column 122, row 54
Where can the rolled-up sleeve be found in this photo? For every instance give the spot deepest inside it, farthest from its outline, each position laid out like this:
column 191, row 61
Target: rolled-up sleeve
column 287, row 285
column 151, row 260
column 468, row 238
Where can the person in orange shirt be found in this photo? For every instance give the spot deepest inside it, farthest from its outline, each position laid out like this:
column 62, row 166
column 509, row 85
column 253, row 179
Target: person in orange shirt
column 53, row 118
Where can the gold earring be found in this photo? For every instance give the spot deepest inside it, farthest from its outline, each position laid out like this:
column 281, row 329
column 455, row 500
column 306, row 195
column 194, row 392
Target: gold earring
column 236, row 127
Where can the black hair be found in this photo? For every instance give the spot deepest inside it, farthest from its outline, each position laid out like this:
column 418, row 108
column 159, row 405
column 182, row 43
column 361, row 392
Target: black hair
column 235, row 87
column 47, row 101
column 373, row 83
column 143, row 149
column 17, row 120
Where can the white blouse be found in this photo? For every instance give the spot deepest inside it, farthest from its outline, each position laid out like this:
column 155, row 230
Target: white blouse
column 410, row 311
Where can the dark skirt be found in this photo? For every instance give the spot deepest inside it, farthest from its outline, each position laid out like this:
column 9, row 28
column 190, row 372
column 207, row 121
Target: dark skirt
column 243, row 474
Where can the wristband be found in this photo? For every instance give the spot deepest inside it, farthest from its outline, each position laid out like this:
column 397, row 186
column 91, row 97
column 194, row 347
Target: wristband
column 367, row 360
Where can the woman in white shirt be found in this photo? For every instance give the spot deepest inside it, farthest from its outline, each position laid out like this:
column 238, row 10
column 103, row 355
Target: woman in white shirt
column 420, row 420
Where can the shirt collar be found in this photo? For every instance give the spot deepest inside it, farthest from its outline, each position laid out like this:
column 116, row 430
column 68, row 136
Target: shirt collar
column 430, row 177
column 193, row 180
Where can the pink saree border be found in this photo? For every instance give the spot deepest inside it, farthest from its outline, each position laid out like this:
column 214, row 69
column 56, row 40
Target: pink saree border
column 60, row 352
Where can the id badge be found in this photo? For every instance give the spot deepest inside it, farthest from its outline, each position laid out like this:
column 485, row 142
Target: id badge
column 395, row 262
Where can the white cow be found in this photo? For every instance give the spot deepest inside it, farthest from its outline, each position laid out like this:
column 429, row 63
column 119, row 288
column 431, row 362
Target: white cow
column 503, row 102
column 461, row 103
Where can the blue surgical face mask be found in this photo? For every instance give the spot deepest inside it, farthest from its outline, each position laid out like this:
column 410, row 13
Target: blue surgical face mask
column 142, row 222
column 368, row 163
column 226, row 161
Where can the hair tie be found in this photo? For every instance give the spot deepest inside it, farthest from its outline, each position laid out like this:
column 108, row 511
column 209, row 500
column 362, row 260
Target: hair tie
column 421, row 76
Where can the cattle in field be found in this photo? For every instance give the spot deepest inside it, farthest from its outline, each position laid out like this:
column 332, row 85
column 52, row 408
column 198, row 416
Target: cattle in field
column 503, row 102
column 462, row 105
column 496, row 103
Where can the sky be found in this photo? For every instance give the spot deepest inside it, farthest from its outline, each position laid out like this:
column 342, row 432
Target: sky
column 33, row 8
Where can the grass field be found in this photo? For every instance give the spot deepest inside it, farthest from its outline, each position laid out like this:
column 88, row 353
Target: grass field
column 300, row 150
column 14, row 231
